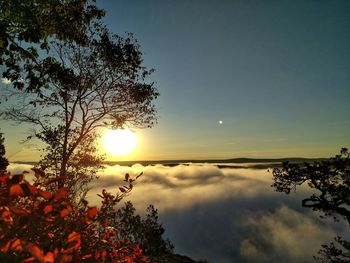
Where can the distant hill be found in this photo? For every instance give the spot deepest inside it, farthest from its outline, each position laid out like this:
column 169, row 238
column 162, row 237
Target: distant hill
column 256, row 163
column 273, row 160
column 221, row 162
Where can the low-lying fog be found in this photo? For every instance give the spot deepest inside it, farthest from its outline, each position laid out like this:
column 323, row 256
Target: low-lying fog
column 223, row 215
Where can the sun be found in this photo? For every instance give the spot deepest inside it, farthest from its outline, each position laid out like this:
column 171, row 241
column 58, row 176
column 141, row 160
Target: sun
column 119, row 142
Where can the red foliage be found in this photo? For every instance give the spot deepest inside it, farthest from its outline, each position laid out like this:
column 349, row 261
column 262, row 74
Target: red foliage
column 37, row 225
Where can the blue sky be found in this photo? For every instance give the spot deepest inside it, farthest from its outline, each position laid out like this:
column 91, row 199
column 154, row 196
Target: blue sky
column 276, row 73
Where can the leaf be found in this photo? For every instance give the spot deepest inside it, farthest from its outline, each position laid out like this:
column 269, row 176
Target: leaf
column 87, row 256
column 6, row 216
column 4, row 178
column 61, row 193
column 30, row 259
column 47, row 209
column 64, row 212
column 12, row 245
column 16, row 245
column 122, row 189
column 49, row 257
column 19, row 211
column 16, row 189
column 45, row 194
column 92, row 212
column 73, row 242
column 35, row 251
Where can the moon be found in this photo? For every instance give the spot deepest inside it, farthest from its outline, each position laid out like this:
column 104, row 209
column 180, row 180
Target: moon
column 220, row 122
column 119, row 142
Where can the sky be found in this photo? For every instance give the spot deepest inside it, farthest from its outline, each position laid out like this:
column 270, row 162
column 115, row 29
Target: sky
column 275, row 73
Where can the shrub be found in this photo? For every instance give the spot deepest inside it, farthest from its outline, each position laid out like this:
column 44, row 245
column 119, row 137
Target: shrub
column 44, row 226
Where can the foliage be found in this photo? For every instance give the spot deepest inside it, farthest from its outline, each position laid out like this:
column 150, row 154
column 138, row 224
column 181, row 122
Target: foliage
column 330, row 182
column 81, row 168
column 3, row 161
column 146, row 232
column 330, row 179
column 37, row 225
column 78, row 85
column 335, row 253
column 26, row 26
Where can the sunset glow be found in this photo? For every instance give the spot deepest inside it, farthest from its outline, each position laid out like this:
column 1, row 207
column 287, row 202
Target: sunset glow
column 119, row 142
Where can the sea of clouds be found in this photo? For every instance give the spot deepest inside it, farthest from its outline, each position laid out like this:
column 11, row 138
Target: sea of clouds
column 223, row 215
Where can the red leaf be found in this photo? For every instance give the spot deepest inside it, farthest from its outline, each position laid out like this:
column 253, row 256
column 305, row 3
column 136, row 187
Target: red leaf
column 12, row 245
column 16, row 245
column 47, row 209
column 30, row 259
column 46, row 194
column 73, row 242
column 16, row 189
column 32, row 189
column 103, row 254
column 64, row 212
column 35, row 251
column 87, row 256
column 19, row 211
column 92, row 212
column 61, row 193
column 49, row 257
column 6, row 216
column 4, row 178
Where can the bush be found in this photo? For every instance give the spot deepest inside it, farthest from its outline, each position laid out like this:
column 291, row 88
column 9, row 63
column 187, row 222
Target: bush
column 43, row 226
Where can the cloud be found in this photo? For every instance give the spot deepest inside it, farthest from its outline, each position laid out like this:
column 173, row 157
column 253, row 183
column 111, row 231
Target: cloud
column 283, row 236
column 16, row 168
column 223, row 215
column 183, row 186
column 226, row 215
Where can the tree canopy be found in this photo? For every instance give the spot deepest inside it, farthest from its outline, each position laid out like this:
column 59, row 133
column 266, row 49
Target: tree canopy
column 146, row 232
column 3, row 161
column 27, row 25
column 329, row 179
column 330, row 182
column 87, row 79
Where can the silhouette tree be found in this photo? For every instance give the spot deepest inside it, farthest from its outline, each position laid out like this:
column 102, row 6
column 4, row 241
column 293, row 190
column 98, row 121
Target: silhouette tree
column 78, row 88
column 146, row 232
column 330, row 182
column 3, row 161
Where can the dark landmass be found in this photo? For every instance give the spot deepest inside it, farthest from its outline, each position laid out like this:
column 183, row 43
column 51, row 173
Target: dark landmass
column 236, row 163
